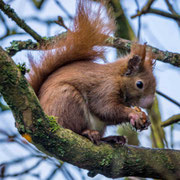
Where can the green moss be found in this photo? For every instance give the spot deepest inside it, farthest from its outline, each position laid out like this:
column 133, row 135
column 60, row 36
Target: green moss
column 6, row 7
column 138, row 160
column 176, row 57
column 45, row 38
column 154, row 50
column 53, row 123
column 39, row 120
column 61, row 151
column 21, row 128
column 166, row 54
column 128, row 45
column 106, row 161
column 28, row 131
column 22, row 68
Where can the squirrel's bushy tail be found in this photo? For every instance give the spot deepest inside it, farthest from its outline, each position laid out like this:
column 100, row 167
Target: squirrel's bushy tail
column 89, row 31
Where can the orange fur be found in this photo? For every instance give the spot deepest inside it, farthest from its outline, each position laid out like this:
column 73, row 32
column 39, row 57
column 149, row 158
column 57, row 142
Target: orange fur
column 88, row 30
column 84, row 95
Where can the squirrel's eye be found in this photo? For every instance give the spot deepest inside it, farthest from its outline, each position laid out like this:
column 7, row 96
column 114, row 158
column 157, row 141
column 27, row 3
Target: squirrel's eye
column 139, row 84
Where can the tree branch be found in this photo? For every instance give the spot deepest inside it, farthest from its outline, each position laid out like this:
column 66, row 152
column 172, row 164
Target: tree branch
column 144, row 9
column 17, row 46
column 170, row 7
column 147, row 9
column 168, row 98
column 119, row 43
column 165, row 14
column 63, row 9
column 11, row 14
column 171, row 120
column 164, row 56
column 64, row 144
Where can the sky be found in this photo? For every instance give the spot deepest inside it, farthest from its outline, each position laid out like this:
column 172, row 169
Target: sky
column 157, row 31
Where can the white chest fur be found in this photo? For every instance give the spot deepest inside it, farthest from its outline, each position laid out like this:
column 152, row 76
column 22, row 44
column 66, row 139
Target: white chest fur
column 94, row 123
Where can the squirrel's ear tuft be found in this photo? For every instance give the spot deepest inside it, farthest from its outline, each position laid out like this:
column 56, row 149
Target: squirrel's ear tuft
column 150, row 58
column 140, row 50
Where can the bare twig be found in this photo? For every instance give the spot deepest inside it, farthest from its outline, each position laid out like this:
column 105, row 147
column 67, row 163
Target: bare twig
column 145, row 9
column 148, row 5
column 171, row 9
column 139, row 20
column 34, row 154
column 38, row 3
column 168, row 98
column 11, row 33
column 63, row 9
column 171, row 120
column 11, row 14
column 61, row 22
column 53, row 173
column 25, row 171
column 165, row 14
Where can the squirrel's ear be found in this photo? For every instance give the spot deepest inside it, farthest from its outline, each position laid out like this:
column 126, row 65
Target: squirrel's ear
column 136, row 61
column 134, row 65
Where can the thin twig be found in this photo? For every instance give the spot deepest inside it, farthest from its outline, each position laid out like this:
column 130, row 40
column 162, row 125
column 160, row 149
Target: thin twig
column 139, row 20
column 171, row 9
column 147, row 9
column 60, row 21
column 165, row 14
column 53, row 173
column 11, row 14
column 25, row 171
column 168, row 98
column 171, row 120
column 38, row 3
column 63, row 9
column 144, row 9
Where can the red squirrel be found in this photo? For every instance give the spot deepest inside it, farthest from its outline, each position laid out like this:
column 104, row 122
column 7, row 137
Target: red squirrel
column 87, row 96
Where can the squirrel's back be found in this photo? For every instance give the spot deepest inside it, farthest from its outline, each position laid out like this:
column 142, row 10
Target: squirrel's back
column 84, row 42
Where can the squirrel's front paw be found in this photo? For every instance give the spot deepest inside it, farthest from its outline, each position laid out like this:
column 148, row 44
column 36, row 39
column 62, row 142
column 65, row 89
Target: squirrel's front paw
column 138, row 119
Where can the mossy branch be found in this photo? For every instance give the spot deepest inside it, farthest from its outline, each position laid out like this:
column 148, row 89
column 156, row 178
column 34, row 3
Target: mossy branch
column 17, row 46
column 164, row 56
column 119, row 43
column 12, row 14
column 64, row 144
